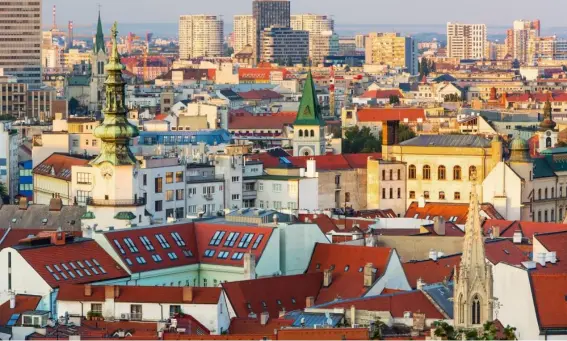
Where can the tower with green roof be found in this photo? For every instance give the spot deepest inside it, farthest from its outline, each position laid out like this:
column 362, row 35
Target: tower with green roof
column 309, row 126
column 98, row 59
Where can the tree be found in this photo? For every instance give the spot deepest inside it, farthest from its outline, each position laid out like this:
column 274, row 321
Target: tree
column 4, row 193
column 360, row 140
column 509, row 333
column 394, row 99
column 379, row 325
column 424, row 68
column 405, row 133
column 73, row 104
column 444, row 330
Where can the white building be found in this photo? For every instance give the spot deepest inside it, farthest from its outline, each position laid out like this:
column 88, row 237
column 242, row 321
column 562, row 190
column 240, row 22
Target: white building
column 200, row 36
column 9, row 146
column 205, row 190
column 244, row 32
column 466, row 41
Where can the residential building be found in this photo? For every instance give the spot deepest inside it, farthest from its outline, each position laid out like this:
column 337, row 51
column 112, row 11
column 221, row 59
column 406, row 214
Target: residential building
column 360, row 40
column 393, row 50
column 26, row 180
column 20, row 49
column 13, row 100
column 322, row 41
column 347, row 46
column 518, row 39
column 386, row 185
column 200, row 36
column 466, row 41
column 267, row 14
column 205, row 190
column 230, row 167
column 244, row 32
column 283, row 45
column 309, row 127
column 9, row 168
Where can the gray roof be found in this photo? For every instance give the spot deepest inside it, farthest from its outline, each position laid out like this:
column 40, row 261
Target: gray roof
column 442, row 295
column 313, row 319
column 469, row 141
column 68, row 218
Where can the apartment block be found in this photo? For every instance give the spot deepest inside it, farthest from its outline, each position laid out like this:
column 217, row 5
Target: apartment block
column 466, row 41
column 393, row 50
column 284, row 45
column 244, row 32
column 322, row 41
column 269, row 13
column 200, row 36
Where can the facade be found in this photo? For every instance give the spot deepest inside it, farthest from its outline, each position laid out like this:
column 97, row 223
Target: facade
column 466, row 41
column 269, row 13
column 519, row 37
column 205, row 190
column 13, row 99
column 393, row 50
column 9, row 170
column 200, row 36
column 98, row 60
column 309, row 126
column 20, row 50
column 322, row 41
column 386, row 186
column 284, row 46
column 244, row 32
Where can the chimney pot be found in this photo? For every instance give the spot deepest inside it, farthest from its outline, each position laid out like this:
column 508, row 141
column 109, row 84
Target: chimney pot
column 439, row 225
column 327, row 278
column 309, row 301
column 109, row 292
column 264, row 318
column 188, row 294
column 369, row 275
column 88, row 290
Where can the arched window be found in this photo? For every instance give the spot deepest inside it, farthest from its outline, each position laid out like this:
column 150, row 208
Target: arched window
column 539, row 194
column 472, row 173
column 426, row 172
column 383, row 193
column 457, row 173
column 560, row 217
column 312, row 133
column 306, row 133
column 475, row 313
column 548, row 142
column 391, row 174
column 441, row 195
column 539, row 216
column 300, row 133
column 552, row 215
column 560, row 191
column 383, row 175
column 412, row 172
column 441, row 173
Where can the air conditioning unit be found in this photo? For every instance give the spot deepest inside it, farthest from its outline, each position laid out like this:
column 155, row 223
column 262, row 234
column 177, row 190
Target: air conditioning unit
column 124, row 316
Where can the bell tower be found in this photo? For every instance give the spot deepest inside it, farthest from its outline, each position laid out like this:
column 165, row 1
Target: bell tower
column 309, row 126
column 98, row 59
column 547, row 134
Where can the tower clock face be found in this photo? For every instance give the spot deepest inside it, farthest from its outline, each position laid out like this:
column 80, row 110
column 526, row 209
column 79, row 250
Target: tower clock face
column 106, row 172
column 548, row 133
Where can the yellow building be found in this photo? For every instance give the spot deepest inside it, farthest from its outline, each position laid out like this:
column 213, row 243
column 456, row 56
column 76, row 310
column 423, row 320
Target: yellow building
column 75, row 57
column 386, row 185
column 393, row 50
column 440, row 168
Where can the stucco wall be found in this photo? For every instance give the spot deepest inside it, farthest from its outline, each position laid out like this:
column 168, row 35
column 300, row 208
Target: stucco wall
column 417, row 248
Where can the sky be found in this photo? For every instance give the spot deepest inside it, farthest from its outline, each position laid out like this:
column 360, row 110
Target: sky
column 422, row 12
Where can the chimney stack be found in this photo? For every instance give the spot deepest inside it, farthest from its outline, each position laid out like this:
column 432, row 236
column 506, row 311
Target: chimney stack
column 249, row 266
column 517, row 238
column 309, row 301
column 55, row 204
column 496, row 231
column 23, row 204
column 439, row 225
column 264, row 318
column 420, row 284
column 327, row 278
column 12, row 300
column 88, row 290
column 369, row 275
column 110, row 292
column 188, row 294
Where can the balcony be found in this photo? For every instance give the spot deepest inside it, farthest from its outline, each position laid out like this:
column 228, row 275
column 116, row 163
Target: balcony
column 116, row 203
column 208, row 197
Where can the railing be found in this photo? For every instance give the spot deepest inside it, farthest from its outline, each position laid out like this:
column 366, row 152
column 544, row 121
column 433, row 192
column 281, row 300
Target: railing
column 123, row 203
column 208, row 196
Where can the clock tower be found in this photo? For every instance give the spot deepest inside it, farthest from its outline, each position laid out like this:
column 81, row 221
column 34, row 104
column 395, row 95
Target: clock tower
column 547, row 134
column 309, row 126
column 113, row 197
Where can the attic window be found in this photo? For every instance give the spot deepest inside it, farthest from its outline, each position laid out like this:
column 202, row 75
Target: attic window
column 264, row 304
column 318, row 266
column 44, row 221
column 249, row 306
column 346, row 268
column 416, row 216
column 293, row 300
column 360, row 269
column 209, row 253
column 427, row 218
column 188, row 253
column 14, row 220
column 507, row 252
column 279, row 302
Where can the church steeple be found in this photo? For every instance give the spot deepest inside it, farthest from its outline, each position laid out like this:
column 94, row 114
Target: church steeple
column 99, row 39
column 547, row 122
column 115, row 131
column 309, row 112
column 472, row 294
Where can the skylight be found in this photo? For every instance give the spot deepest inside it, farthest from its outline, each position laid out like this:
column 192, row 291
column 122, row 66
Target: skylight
column 245, row 241
column 209, row 253
column 188, row 253
column 130, row 244
column 13, row 320
column 232, row 237
column 147, row 244
column 257, row 242
column 223, row 254
column 141, row 260
column 156, row 258
column 172, row 255
column 119, row 247
column 127, row 261
column 217, row 238
column 237, row 255
column 178, row 239
column 162, row 241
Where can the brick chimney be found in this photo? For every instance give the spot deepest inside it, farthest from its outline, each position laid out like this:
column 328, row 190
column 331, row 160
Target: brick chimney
column 111, row 292
column 88, row 290
column 188, row 294
column 55, row 204
column 264, row 318
column 23, row 204
column 327, row 278
column 439, row 225
column 249, row 266
column 369, row 275
column 309, row 301
column 496, row 231
column 57, row 238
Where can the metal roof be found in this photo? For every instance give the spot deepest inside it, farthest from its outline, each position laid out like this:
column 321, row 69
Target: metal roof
column 442, row 294
column 310, row 320
column 467, row 141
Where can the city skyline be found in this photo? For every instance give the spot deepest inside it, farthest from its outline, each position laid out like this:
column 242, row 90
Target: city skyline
column 422, row 13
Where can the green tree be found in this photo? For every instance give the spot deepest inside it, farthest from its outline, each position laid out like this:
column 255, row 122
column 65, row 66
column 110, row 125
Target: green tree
column 405, row 133
column 73, row 104
column 394, row 99
column 424, row 68
column 360, row 140
column 444, row 330
column 4, row 193
column 509, row 333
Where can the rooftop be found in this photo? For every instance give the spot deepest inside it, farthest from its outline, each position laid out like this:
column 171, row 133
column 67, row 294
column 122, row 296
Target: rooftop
column 390, row 114
column 462, row 141
column 59, row 165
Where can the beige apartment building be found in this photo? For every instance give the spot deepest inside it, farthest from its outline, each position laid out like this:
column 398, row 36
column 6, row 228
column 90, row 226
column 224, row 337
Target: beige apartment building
column 393, row 50
column 466, row 41
column 200, row 36
column 322, row 41
column 244, row 32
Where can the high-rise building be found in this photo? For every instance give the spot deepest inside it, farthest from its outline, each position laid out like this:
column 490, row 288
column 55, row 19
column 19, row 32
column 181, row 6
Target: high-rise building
column 269, row 13
column 20, row 40
column 393, row 50
column 466, row 41
column 200, row 36
column 360, row 40
column 519, row 37
column 244, row 32
column 284, row 46
column 322, row 41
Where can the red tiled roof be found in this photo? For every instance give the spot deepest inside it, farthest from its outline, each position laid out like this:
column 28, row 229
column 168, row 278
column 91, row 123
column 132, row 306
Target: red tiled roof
column 23, row 303
column 431, row 271
column 97, row 330
column 260, row 73
column 390, row 114
column 437, row 209
column 161, row 117
column 253, row 326
column 269, row 121
column 554, row 242
column 549, row 299
column 59, row 166
column 277, row 293
column 140, row 294
column 361, row 160
column 397, row 304
column 323, row 221
column 322, row 162
column 185, row 251
column 528, row 228
column 537, row 97
column 259, row 95
column 451, row 230
column 206, row 232
column 346, row 262
column 323, row 334
column 73, row 253
column 503, row 250
column 12, row 237
column 267, row 160
column 382, row 94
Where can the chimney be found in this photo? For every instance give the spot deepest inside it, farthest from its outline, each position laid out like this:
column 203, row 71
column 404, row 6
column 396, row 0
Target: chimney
column 496, row 231
column 109, row 292
column 439, row 225
column 309, row 301
column 352, row 315
column 420, row 284
column 58, row 238
column 188, row 294
column 249, row 266
column 327, row 278
column 433, row 255
column 88, row 290
column 421, row 202
column 116, row 291
column 282, row 313
column 369, row 275
column 55, row 204
column 540, row 258
column 264, row 318
column 551, row 257
column 23, row 205
column 12, row 300
column 517, row 239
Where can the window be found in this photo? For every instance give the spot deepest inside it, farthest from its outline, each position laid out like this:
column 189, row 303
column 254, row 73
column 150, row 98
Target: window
column 441, row 173
column 426, row 194
column 391, row 193
column 162, row 241
column 204, row 282
column 399, row 174
column 140, row 260
column 237, row 255
column 545, row 193
column 169, row 177
column 475, row 314
column 82, row 196
column 412, row 195
column 399, row 193
column 245, row 241
column 412, row 172
column 136, row 312
column 457, row 173
column 391, row 174
column 178, row 176
column 117, row 243
column 96, row 308
column 539, row 216
column 236, row 197
column 457, row 196
column 145, row 180
column 156, row 258
column 178, row 240
column 179, row 194
column 223, row 254
column 174, row 310
column 217, row 238
column 383, row 193
column 158, row 206
column 545, row 216
column 172, row 255
column 426, row 172
column 539, row 194
column 277, row 205
column 84, row 178
column 560, row 217
column 257, row 242
column 235, row 178
column 441, row 195
column 95, row 143
column 383, row 175
column 472, row 173
column 158, row 182
column 209, row 253
column 553, row 215
column 260, row 186
column 130, row 244
column 277, row 188
column 169, row 195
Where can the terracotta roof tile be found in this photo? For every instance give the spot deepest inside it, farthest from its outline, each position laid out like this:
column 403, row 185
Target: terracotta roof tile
column 431, row 271
column 277, row 121
column 390, row 114
column 457, row 213
column 12, row 237
column 59, row 166
column 382, row 94
column 397, row 304
column 272, row 294
column 549, row 298
column 23, row 303
column 503, row 250
column 260, row 74
column 324, row 334
column 260, row 95
column 141, row 294
column 361, row 160
column 253, row 326
column 323, row 221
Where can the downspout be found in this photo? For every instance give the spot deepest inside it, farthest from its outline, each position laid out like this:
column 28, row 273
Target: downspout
column 82, row 315
column 161, row 310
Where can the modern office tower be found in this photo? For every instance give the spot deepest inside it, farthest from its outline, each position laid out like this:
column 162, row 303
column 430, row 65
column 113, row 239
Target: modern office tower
column 466, row 41
column 20, row 40
column 244, row 32
column 393, row 50
column 284, row 46
column 200, row 36
column 269, row 13
column 322, row 41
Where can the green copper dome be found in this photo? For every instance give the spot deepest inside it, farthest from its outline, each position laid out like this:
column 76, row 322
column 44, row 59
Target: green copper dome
column 519, row 150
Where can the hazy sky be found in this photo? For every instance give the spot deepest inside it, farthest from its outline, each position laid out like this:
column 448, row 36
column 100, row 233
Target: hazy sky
column 491, row 12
